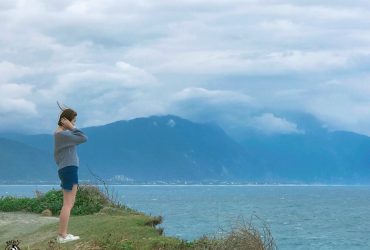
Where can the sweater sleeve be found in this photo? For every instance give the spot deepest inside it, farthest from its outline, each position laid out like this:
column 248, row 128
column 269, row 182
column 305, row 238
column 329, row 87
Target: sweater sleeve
column 73, row 137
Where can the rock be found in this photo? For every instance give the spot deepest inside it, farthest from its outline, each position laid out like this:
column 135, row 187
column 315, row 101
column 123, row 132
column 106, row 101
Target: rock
column 47, row 212
column 39, row 194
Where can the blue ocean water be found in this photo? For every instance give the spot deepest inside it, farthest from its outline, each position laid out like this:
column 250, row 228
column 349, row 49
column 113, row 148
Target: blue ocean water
column 299, row 217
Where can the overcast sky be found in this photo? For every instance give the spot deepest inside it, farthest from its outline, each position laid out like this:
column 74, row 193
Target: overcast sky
column 238, row 63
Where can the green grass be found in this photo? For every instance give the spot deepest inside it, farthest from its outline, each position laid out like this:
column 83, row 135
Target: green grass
column 100, row 221
column 103, row 223
column 106, row 231
column 89, row 200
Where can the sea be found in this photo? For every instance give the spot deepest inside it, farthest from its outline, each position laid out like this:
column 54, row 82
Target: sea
column 298, row 217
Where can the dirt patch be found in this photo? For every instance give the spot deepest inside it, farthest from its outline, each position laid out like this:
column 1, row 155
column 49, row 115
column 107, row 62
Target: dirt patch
column 13, row 224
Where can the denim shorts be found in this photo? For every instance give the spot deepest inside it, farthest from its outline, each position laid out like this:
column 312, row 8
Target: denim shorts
column 68, row 176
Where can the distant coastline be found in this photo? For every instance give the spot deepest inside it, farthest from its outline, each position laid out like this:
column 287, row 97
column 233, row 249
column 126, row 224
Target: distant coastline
column 200, row 184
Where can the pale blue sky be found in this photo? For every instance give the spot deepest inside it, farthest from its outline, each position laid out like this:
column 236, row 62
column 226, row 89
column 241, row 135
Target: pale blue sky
column 237, row 63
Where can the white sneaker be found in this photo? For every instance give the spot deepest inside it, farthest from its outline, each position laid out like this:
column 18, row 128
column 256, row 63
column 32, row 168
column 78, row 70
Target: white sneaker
column 69, row 237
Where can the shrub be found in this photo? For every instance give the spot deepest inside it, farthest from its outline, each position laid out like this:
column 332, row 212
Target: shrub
column 11, row 203
column 242, row 236
column 89, row 200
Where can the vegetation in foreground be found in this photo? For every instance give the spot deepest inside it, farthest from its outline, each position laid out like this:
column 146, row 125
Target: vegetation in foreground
column 104, row 223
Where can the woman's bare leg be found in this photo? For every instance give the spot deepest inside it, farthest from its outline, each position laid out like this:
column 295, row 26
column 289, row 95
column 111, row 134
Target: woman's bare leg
column 68, row 202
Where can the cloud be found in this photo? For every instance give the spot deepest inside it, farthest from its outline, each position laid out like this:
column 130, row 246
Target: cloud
column 209, row 105
column 10, row 71
column 16, row 104
column 103, row 92
column 270, row 124
column 97, row 92
column 213, row 96
column 225, row 107
column 343, row 103
column 14, row 98
column 222, row 61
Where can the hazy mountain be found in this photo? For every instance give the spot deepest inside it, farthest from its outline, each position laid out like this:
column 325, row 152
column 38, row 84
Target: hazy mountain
column 317, row 155
column 154, row 148
column 173, row 148
column 163, row 148
column 19, row 161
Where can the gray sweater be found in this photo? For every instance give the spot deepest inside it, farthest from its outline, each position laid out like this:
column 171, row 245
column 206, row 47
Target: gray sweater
column 65, row 150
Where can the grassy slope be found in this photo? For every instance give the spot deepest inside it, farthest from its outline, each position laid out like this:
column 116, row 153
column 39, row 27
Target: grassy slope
column 103, row 223
column 100, row 221
column 112, row 230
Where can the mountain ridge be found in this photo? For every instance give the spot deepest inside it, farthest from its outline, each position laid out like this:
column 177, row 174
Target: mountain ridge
column 169, row 148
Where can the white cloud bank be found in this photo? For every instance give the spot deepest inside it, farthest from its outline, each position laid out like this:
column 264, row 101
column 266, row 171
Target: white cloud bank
column 206, row 60
column 270, row 124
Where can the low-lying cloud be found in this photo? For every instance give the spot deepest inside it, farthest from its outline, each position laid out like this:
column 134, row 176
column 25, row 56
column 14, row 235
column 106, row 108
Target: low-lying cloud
column 232, row 62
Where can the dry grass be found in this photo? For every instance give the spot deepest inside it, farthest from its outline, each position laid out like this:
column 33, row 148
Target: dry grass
column 244, row 235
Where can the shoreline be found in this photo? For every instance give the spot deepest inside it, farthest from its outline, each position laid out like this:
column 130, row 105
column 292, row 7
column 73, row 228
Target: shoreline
column 216, row 185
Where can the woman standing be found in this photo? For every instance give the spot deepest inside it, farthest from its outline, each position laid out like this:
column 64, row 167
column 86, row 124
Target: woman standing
column 66, row 138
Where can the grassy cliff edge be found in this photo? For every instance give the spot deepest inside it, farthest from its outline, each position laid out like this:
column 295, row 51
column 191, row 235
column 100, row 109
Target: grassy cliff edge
column 104, row 223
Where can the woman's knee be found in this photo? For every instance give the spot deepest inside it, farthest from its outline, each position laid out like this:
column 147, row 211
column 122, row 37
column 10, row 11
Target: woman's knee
column 69, row 202
column 69, row 197
column 67, row 206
